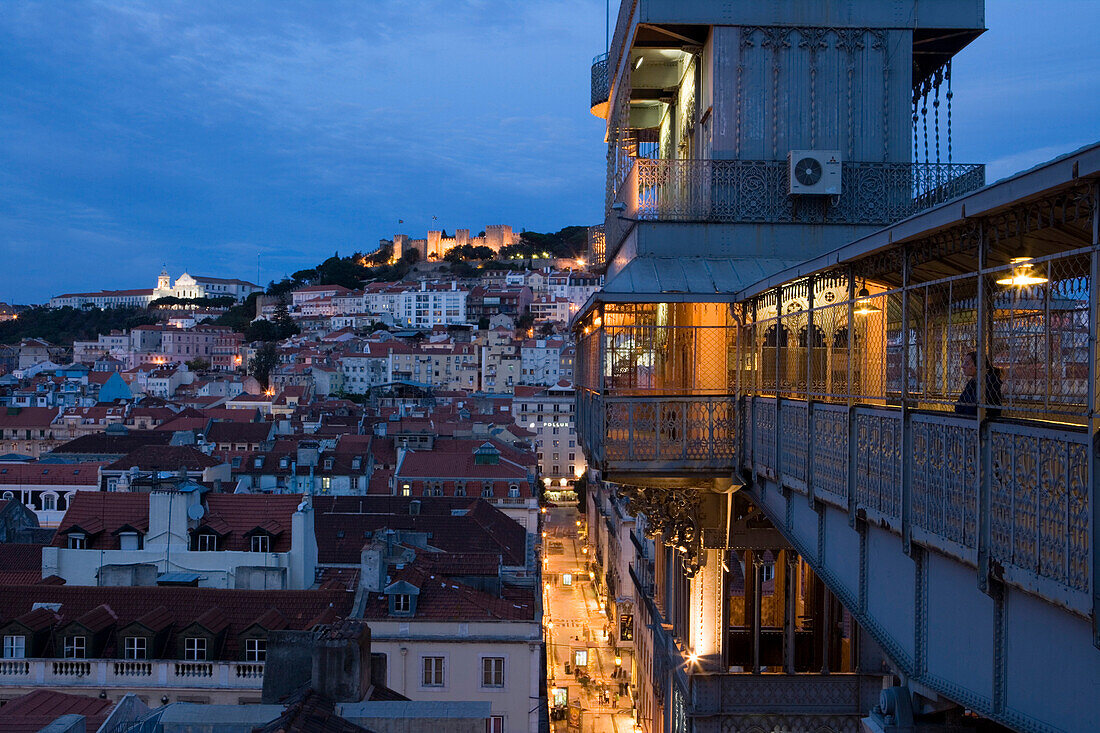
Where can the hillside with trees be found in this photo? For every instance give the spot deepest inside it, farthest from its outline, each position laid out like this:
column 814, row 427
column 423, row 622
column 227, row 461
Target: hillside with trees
column 62, row 326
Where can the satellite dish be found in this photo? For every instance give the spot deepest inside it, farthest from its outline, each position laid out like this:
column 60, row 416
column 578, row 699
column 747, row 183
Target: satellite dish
column 196, row 511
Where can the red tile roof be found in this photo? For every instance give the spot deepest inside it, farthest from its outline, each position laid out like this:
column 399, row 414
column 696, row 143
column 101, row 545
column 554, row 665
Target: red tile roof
column 35, row 710
column 443, row 598
column 228, row 609
column 235, row 516
column 26, row 417
column 101, row 514
column 50, row 474
column 342, row 525
column 234, row 432
column 164, row 458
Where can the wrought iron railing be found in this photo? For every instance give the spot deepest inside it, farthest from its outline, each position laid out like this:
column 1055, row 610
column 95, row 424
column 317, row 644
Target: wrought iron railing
column 678, row 433
column 923, row 480
column 601, row 81
column 757, row 191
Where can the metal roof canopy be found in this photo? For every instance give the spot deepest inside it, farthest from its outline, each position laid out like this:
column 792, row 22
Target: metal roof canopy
column 649, row 279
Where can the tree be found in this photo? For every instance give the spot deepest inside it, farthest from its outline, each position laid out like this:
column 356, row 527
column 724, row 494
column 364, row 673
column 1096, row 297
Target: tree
column 263, row 363
column 239, row 316
column 283, row 322
column 261, row 330
column 580, row 487
column 198, row 364
column 546, row 329
column 62, row 325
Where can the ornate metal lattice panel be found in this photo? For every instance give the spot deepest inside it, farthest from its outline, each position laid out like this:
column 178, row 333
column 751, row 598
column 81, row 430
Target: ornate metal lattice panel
column 1040, row 518
column 794, row 441
column 878, row 464
column 763, row 436
column 944, row 472
column 756, row 191
column 699, row 431
column 601, row 80
column 830, row 466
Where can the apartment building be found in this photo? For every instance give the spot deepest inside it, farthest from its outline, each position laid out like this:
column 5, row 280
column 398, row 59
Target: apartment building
column 549, row 413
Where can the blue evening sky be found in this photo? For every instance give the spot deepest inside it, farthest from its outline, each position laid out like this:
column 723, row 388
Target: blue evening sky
column 213, row 135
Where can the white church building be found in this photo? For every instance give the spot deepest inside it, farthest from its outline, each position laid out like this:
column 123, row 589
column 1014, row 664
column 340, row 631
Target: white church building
column 186, row 286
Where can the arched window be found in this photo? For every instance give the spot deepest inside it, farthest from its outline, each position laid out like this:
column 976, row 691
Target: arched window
column 8, row 496
column 49, row 502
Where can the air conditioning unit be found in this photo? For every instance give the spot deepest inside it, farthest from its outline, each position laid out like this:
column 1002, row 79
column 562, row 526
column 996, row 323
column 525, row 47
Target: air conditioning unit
column 814, row 172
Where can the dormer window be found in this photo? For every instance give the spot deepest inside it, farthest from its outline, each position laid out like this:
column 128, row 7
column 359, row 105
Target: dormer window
column 76, row 647
column 78, row 541
column 328, row 464
column 487, row 491
column 402, row 603
column 513, row 491
column 15, row 647
column 460, row 489
column 194, row 649
column 356, row 463
column 129, row 541
column 206, row 542
column 260, row 543
column 49, row 502
column 284, row 462
column 258, row 462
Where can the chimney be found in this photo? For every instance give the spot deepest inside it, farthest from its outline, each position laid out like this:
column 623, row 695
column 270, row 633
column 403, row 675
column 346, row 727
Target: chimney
column 372, row 566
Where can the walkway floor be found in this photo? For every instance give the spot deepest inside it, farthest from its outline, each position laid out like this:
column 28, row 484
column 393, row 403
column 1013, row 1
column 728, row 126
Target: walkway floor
column 579, row 625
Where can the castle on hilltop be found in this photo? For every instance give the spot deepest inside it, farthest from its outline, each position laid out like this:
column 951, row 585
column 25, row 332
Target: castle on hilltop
column 436, row 244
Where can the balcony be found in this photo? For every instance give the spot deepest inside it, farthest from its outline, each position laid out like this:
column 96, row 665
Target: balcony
column 601, row 86
column 755, row 191
column 659, row 435
column 130, row 674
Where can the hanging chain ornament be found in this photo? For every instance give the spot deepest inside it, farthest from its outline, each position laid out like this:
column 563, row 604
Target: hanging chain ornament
column 916, row 121
column 924, row 119
column 950, row 94
column 936, row 108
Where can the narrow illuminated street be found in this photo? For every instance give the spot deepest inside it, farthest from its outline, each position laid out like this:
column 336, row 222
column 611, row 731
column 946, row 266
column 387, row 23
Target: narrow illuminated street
column 577, row 634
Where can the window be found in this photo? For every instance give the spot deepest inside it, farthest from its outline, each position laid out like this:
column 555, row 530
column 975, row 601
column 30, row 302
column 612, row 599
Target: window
column 460, row 490
column 495, row 724
column 194, row 649
column 76, row 647
column 49, row 502
column 487, row 491
column 255, row 650
column 492, row 671
column 326, row 483
column 129, row 541
column 137, row 647
column 207, row 542
column 15, row 647
column 402, row 603
column 261, row 543
column 433, row 672
column 513, row 491
column 77, row 541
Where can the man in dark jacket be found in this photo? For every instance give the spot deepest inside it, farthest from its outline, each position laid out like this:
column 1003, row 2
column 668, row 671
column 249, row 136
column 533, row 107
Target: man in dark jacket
column 967, row 404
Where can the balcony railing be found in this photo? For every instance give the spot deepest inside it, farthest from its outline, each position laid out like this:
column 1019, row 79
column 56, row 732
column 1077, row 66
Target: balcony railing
column 924, row 480
column 601, row 85
column 748, row 191
column 130, row 674
column 663, row 434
